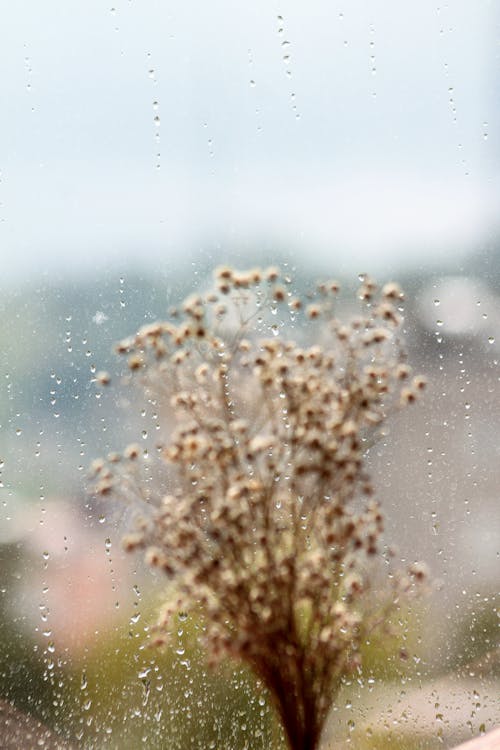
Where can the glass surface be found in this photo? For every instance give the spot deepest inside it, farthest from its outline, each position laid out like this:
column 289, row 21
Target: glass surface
column 142, row 145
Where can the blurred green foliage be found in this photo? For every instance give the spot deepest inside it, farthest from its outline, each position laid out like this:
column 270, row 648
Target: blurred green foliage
column 122, row 692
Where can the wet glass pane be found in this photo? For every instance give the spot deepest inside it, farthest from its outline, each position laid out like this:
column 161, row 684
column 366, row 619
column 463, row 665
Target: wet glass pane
column 144, row 145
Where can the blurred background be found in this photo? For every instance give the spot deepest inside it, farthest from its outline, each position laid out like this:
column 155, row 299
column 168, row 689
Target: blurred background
column 141, row 145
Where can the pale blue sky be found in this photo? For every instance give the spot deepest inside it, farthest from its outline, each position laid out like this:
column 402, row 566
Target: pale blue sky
column 393, row 156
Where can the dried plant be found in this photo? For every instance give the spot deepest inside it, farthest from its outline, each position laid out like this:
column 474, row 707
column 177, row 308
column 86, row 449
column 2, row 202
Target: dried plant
column 269, row 526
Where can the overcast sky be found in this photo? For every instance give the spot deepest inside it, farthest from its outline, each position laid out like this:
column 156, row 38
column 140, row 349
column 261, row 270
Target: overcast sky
column 351, row 133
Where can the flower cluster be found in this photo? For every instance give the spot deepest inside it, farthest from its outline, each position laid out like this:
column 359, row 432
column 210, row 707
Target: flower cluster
column 269, row 523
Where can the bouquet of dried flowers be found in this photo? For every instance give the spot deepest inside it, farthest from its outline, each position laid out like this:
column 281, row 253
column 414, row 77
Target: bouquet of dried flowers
column 266, row 519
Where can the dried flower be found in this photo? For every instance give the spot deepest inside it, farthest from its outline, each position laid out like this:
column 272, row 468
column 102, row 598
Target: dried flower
column 270, row 524
column 103, row 378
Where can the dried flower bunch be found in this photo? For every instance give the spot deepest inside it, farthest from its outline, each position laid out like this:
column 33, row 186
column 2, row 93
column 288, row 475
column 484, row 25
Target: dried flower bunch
column 270, row 525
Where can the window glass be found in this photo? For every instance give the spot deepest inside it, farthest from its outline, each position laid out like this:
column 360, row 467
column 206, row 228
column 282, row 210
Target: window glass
column 145, row 144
